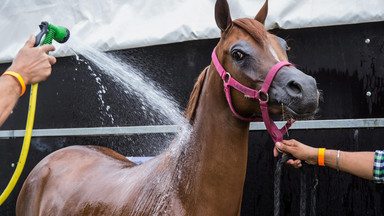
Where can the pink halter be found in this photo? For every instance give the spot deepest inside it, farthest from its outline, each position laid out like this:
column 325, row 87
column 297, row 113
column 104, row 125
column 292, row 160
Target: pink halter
column 276, row 133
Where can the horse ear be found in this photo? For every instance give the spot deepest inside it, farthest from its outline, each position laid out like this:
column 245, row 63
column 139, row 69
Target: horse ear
column 262, row 15
column 222, row 15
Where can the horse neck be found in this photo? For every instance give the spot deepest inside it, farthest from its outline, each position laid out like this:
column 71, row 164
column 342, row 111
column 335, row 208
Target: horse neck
column 216, row 155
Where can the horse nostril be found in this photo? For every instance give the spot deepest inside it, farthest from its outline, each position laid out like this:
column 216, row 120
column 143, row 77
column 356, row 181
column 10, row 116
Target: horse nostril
column 294, row 87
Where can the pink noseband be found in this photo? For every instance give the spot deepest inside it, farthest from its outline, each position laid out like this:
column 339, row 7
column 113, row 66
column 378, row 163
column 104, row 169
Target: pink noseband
column 276, row 133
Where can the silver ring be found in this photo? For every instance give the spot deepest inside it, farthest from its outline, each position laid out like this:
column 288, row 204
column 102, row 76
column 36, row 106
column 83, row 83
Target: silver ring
column 337, row 160
column 227, row 77
column 279, row 150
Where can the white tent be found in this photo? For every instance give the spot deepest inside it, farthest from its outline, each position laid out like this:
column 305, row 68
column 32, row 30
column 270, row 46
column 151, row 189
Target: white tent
column 121, row 24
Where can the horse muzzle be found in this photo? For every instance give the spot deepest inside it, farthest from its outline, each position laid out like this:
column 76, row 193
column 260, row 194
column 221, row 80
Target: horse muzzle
column 296, row 92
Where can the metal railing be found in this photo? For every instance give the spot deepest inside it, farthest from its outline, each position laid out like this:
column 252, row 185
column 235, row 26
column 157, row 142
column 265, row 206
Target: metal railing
column 130, row 130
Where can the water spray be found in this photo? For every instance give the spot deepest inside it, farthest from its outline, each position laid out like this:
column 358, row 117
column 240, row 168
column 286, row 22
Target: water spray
column 51, row 32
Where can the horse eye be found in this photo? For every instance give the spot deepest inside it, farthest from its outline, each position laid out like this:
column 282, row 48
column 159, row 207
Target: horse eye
column 287, row 48
column 237, row 55
column 283, row 43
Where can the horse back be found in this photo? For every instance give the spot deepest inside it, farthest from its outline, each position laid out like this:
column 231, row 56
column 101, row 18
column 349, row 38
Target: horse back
column 71, row 168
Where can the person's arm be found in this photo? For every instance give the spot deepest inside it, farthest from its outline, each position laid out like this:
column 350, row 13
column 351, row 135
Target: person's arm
column 356, row 163
column 33, row 65
column 10, row 91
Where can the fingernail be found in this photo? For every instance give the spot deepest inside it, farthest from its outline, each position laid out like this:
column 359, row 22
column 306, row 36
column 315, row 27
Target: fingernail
column 278, row 144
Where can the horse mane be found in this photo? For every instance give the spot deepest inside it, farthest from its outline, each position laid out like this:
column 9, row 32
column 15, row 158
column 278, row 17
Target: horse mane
column 193, row 102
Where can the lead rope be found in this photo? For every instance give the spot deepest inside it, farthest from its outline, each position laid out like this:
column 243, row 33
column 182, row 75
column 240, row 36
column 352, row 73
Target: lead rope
column 313, row 194
column 303, row 189
column 303, row 192
column 276, row 189
column 278, row 178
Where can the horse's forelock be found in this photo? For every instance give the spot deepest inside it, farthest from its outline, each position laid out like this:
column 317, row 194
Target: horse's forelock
column 253, row 28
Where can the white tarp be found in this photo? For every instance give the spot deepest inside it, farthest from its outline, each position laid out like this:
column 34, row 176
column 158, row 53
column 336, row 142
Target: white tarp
column 121, row 24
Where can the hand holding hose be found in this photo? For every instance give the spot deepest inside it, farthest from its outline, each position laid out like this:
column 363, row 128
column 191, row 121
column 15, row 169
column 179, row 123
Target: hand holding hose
column 33, row 64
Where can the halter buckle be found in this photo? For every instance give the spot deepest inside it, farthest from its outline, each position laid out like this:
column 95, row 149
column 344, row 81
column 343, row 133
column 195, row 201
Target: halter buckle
column 263, row 95
column 226, row 77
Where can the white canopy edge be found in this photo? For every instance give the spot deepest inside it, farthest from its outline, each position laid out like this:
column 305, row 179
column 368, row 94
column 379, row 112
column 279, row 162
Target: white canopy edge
column 121, row 24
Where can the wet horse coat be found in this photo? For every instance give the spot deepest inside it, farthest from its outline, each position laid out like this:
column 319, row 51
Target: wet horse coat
column 202, row 175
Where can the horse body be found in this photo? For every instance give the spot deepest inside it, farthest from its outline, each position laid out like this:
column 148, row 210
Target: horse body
column 202, row 175
column 205, row 177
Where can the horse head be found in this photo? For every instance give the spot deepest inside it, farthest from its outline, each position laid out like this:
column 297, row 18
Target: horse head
column 248, row 51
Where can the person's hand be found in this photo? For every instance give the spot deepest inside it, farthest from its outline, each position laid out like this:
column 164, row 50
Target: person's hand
column 33, row 63
column 299, row 151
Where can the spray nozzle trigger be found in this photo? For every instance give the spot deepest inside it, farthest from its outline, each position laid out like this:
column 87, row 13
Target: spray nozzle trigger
column 44, row 27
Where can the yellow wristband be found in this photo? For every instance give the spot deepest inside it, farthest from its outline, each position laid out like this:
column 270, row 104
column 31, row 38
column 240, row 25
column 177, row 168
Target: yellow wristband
column 18, row 77
column 321, row 157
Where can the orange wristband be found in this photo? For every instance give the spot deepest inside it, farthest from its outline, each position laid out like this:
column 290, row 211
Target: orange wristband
column 18, row 77
column 321, row 157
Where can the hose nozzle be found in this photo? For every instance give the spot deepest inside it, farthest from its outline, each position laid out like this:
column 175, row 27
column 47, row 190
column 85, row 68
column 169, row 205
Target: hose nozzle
column 51, row 32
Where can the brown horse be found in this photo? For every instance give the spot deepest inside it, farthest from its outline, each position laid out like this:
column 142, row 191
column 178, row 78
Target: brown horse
column 201, row 176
